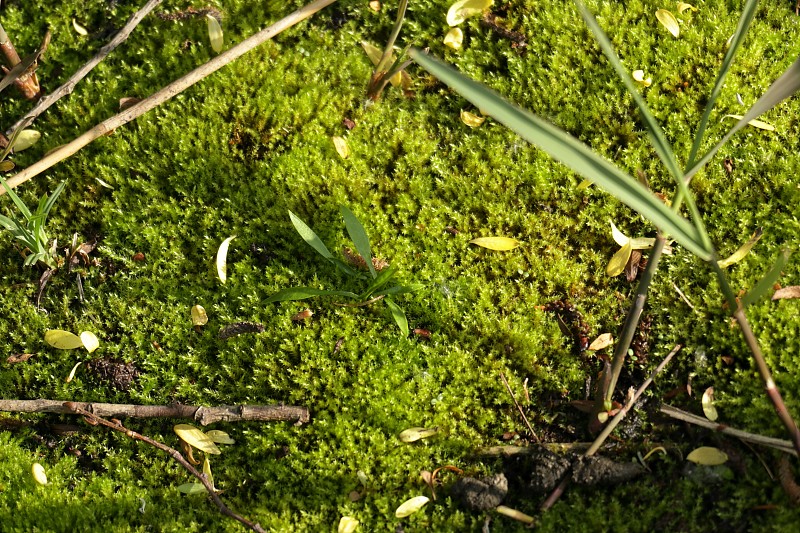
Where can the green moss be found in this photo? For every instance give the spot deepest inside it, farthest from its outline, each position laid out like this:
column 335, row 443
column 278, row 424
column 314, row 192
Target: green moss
column 232, row 154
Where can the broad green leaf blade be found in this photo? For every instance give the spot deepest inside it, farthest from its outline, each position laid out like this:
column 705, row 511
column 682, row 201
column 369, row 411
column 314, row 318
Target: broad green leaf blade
column 63, row 340
column 501, row 244
column 768, row 281
column 309, row 236
column 359, row 237
column 39, row 474
column 89, row 341
column 743, row 250
column 617, row 264
column 399, row 316
column 192, row 488
column 411, row 506
column 783, row 88
column 706, row 455
column 383, row 278
column 195, row 437
column 220, row 437
column 301, row 293
column 668, row 20
column 571, row 152
column 214, row 33
column 415, row 434
column 748, row 12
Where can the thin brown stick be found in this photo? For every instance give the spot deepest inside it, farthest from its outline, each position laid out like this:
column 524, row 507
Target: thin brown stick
column 521, row 412
column 778, row 444
column 116, row 425
column 81, row 73
column 200, row 414
column 612, row 424
column 166, row 93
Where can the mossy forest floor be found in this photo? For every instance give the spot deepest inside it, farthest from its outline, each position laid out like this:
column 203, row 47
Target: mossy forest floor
column 231, row 156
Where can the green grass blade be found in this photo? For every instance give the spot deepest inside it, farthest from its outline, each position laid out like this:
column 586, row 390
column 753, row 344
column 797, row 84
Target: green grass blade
column 748, row 13
column 783, row 88
column 400, row 289
column 399, row 316
column 766, row 283
column 16, row 199
column 301, row 293
column 7, row 223
column 571, row 152
column 45, row 210
column 359, row 237
column 383, row 278
column 309, row 236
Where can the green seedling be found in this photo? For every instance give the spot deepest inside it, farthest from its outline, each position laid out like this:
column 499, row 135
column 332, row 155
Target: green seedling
column 690, row 232
column 380, row 285
column 385, row 68
column 30, row 229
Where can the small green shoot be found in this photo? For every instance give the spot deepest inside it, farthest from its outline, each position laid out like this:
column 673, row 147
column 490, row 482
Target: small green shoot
column 386, row 68
column 379, row 287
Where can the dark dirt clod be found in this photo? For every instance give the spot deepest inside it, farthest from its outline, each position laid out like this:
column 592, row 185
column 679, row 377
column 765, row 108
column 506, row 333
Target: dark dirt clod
column 481, row 495
column 238, row 328
column 115, row 372
column 546, row 470
column 596, row 470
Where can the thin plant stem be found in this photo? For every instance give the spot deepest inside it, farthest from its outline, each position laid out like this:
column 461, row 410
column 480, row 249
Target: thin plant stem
column 81, row 73
column 167, row 92
column 519, row 408
column 116, row 425
column 611, row 426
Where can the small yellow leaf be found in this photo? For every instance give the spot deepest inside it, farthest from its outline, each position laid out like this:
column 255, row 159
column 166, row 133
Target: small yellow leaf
column 72, row 373
column 454, row 38
column 501, row 244
column 411, row 506
column 220, row 437
column 222, row 259
column 415, row 434
column 207, row 471
column 192, row 488
column 743, row 250
column 194, row 437
column 26, row 139
column 638, row 243
column 464, row 9
column 5, row 166
column 516, row 515
column 617, row 264
column 39, row 474
column 89, row 341
column 342, row 148
column 602, row 341
column 585, row 184
column 668, row 20
column 470, row 119
column 755, row 123
column 375, row 55
column 214, row 33
column 199, row 316
column 706, row 455
column 63, row 340
column 347, row 524
column 708, row 404
column 638, row 75
column 80, row 30
column 683, row 6
column 619, row 237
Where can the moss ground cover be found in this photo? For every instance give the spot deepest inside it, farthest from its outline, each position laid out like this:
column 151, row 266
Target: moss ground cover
column 234, row 153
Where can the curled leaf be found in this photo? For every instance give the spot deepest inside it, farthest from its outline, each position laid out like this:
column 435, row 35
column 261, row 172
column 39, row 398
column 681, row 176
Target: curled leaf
column 199, row 316
column 411, row 506
column 617, row 264
column 638, row 76
column 39, row 474
column 72, row 372
column 471, row 119
column 80, row 30
column 668, row 20
column 222, row 259
column 742, row 252
column 347, row 524
column 194, row 437
column 342, row 147
column 220, row 437
column 602, row 341
column 708, row 404
column 63, row 340
column 464, row 9
column 454, row 38
column 707, row 455
column 214, row 33
column 89, row 341
column 755, row 123
column 415, row 434
column 683, row 6
column 501, row 244
column 26, row 139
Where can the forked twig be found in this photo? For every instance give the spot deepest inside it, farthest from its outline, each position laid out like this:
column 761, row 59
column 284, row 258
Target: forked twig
column 166, row 93
column 116, row 425
column 612, row 424
column 519, row 408
column 81, row 73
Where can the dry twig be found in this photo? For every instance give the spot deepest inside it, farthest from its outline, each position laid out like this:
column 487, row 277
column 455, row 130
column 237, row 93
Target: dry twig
column 519, row 408
column 200, row 414
column 116, row 425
